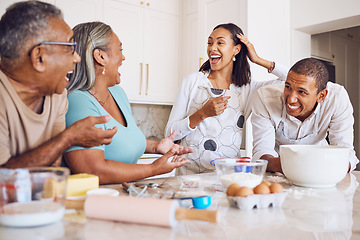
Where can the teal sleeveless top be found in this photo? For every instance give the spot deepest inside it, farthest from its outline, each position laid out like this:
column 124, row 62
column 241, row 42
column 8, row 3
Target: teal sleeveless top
column 128, row 144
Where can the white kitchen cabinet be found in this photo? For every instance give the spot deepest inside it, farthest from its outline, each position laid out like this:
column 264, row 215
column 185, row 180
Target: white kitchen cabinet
column 150, row 37
column 190, row 40
column 166, row 6
column 79, row 11
column 214, row 12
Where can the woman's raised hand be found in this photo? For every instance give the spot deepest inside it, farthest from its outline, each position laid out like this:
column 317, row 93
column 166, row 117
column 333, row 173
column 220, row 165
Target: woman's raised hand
column 167, row 143
column 162, row 165
column 251, row 50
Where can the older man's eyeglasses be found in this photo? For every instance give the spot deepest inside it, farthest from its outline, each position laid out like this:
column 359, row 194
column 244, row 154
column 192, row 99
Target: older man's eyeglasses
column 73, row 45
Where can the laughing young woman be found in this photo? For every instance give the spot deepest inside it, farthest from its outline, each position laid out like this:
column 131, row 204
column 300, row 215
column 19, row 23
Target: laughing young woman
column 213, row 104
column 94, row 91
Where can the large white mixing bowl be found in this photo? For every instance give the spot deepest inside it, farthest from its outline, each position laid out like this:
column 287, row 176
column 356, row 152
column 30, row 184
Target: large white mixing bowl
column 313, row 165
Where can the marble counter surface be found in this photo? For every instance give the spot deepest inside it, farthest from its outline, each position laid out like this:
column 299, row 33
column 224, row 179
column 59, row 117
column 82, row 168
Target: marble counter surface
column 305, row 214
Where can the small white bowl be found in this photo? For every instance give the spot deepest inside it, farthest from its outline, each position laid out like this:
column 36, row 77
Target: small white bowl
column 103, row 191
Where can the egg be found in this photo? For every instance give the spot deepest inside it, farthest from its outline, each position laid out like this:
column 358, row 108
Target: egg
column 267, row 183
column 276, row 188
column 244, row 192
column 231, row 190
column 262, row 189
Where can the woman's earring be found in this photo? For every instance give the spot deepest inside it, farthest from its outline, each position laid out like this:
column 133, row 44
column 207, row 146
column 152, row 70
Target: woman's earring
column 103, row 72
column 234, row 59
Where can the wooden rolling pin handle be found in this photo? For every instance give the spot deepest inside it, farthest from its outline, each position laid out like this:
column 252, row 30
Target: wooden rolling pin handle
column 212, row 216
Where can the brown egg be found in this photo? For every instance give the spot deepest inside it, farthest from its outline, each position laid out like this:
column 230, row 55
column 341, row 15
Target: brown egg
column 267, row 183
column 244, row 192
column 262, row 189
column 231, row 190
column 276, row 188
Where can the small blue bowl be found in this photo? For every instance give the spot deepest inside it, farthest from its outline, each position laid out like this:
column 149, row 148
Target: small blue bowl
column 201, row 202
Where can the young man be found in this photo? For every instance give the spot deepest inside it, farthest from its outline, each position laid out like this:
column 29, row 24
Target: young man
column 37, row 52
column 304, row 111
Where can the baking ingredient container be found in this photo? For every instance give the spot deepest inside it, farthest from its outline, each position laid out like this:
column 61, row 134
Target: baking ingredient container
column 247, row 173
column 32, row 196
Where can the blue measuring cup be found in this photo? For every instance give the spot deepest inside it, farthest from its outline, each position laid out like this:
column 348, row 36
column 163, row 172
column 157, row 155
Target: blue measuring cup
column 201, row 202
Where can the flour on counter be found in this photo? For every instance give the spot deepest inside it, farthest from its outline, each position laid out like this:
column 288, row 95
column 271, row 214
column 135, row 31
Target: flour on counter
column 300, row 192
column 278, row 179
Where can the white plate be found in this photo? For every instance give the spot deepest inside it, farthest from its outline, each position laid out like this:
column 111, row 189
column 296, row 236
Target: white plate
column 31, row 214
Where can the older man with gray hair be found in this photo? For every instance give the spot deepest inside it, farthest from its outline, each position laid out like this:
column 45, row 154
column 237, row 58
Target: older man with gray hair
column 37, row 52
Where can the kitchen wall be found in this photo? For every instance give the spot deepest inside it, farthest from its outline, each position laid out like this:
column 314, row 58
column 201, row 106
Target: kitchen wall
column 151, row 119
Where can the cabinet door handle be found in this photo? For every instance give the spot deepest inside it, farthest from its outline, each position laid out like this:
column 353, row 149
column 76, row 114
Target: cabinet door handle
column 200, row 60
column 141, row 2
column 147, row 79
column 147, row 4
column 141, row 77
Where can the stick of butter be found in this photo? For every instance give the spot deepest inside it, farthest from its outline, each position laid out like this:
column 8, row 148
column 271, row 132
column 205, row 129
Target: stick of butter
column 79, row 184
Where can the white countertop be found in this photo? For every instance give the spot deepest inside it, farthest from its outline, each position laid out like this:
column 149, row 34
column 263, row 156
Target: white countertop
column 305, row 214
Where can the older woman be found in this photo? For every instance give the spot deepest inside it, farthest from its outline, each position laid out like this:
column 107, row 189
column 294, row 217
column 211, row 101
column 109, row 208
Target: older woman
column 94, row 91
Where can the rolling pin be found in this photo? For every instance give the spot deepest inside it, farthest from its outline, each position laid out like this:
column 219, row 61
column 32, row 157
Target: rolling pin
column 150, row 211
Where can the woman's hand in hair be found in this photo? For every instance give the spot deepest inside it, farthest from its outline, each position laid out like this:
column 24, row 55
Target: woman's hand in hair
column 251, row 50
column 253, row 55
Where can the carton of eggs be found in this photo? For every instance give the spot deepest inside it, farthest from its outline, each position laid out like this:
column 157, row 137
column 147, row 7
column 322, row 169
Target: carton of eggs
column 264, row 195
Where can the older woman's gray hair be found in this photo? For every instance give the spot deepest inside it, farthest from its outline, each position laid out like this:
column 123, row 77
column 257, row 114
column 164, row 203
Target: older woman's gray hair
column 23, row 25
column 88, row 36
